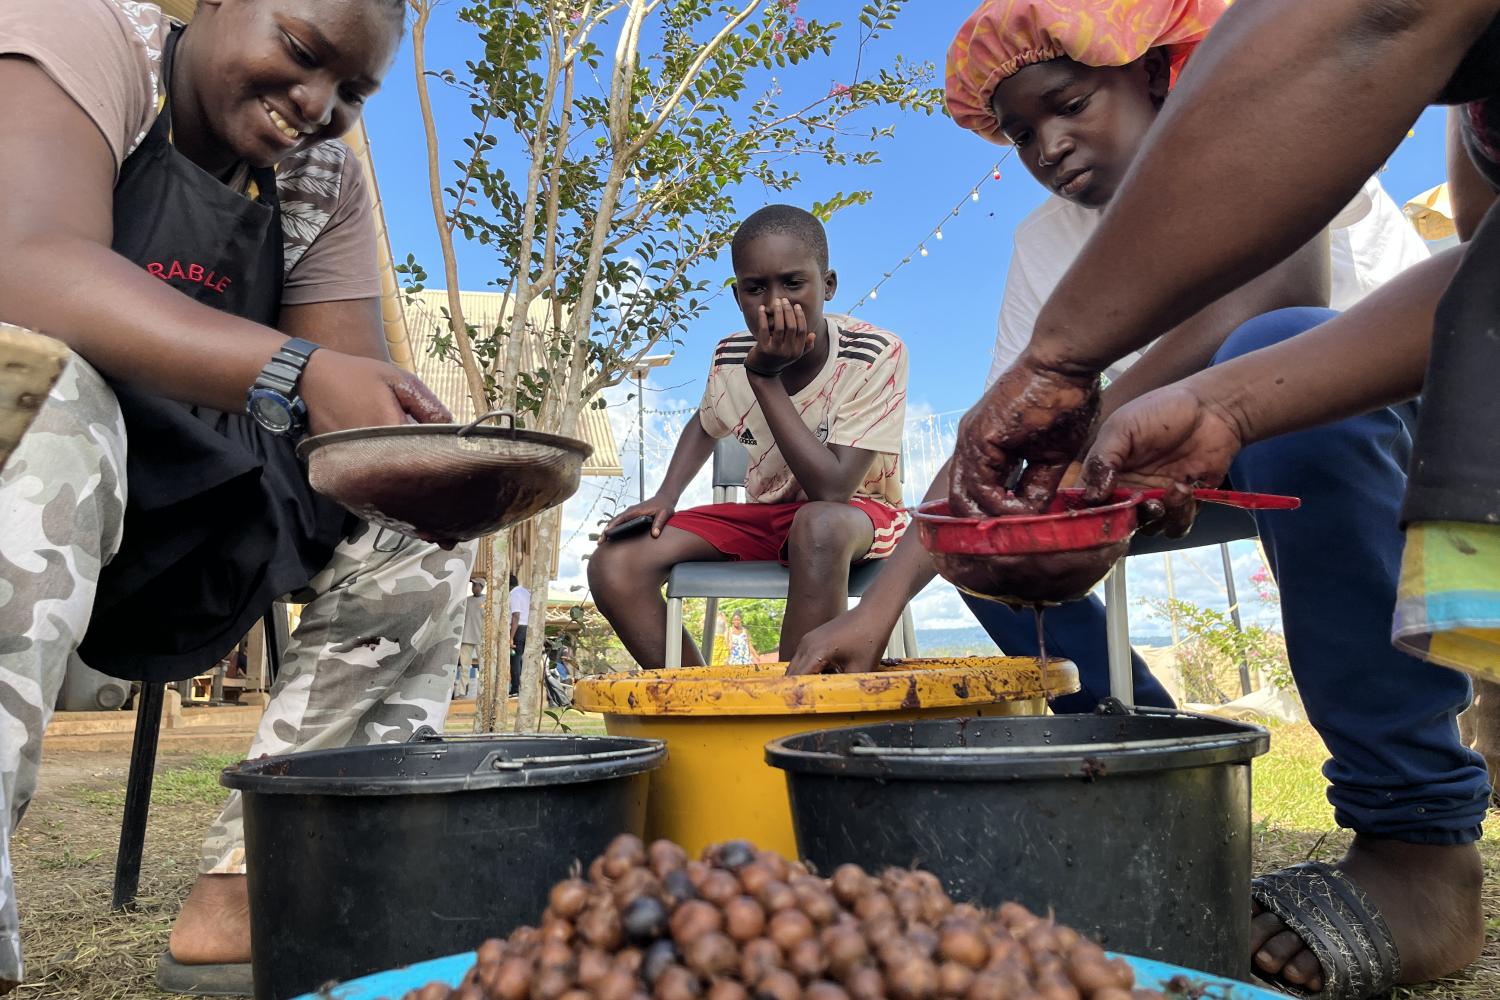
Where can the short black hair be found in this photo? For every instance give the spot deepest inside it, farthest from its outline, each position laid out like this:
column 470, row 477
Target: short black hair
column 514, row 583
column 798, row 223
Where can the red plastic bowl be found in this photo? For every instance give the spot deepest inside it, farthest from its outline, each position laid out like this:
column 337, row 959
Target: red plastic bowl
column 1069, row 526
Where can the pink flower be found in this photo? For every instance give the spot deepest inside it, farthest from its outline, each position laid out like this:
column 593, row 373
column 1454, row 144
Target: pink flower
column 800, row 26
column 576, row 16
column 780, row 36
column 838, row 90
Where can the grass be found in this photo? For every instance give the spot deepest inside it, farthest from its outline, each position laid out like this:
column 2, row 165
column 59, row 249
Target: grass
column 78, row 949
column 197, row 782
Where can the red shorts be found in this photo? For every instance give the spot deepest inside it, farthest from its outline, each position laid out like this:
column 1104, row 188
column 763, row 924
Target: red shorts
column 757, row 532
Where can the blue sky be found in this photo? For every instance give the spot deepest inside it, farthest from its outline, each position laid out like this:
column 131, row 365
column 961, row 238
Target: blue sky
column 944, row 305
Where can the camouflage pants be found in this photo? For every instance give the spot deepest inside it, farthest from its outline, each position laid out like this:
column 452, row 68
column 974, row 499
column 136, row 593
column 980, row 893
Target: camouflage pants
column 369, row 662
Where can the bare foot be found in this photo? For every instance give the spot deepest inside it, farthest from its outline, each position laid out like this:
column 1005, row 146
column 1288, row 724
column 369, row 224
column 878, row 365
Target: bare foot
column 1429, row 897
column 214, row 925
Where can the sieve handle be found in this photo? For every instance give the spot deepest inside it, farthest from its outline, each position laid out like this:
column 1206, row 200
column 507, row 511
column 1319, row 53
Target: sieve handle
column 492, row 415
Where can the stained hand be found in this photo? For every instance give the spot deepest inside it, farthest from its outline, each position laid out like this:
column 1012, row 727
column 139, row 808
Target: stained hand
column 1039, row 417
column 1169, row 439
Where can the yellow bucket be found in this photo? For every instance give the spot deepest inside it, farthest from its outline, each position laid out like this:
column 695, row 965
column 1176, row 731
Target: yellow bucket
column 716, row 784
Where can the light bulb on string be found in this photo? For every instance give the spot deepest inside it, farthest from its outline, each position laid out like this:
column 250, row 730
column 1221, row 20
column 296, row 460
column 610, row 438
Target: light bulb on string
column 974, row 195
column 874, row 294
column 997, row 173
column 924, row 251
column 938, row 234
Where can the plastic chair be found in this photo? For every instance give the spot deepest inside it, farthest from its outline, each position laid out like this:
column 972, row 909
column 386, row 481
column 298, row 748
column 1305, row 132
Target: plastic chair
column 1216, row 525
column 758, row 580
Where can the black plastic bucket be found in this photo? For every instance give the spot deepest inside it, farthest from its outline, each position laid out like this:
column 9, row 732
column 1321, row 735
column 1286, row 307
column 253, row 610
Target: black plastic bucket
column 368, row 858
column 1134, row 829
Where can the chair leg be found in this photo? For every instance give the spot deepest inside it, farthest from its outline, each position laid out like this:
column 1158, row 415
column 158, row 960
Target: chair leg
column 673, row 654
column 895, row 647
column 710, row 627
column 138, row 794
column 273, row 639
column 1117, row 624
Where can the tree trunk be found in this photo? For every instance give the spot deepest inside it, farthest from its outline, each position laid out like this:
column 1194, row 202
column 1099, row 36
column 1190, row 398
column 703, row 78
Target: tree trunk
column 494, row 657
column 529, row 705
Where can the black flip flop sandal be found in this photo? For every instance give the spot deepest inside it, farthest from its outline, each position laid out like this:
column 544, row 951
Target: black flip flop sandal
column 1338, row 924
column 229, row 980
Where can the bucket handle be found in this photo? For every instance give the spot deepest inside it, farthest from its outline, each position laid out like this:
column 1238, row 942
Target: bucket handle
column 426, row 734
column 864, row 750
column 498, row 763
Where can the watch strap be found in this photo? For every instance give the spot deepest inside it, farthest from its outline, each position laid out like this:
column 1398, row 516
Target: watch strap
column 286, row 366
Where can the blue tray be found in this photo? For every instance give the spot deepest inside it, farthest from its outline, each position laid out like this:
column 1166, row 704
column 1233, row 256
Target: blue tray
column 391, row 985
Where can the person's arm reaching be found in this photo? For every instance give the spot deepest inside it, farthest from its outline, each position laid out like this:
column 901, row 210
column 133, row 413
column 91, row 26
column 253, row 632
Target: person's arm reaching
column 1283, row 113
column 854, row 641
column 693, row 449
column 1303, row 279
column 1188, row 433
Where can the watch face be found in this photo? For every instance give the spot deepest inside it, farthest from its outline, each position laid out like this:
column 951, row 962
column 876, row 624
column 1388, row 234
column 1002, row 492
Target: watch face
column 270, row 411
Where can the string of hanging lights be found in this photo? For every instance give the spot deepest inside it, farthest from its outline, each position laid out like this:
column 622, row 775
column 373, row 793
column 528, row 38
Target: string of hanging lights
column 935, row 235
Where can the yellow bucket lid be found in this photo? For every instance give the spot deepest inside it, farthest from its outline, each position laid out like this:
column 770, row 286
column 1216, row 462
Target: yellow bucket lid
column 764, row 688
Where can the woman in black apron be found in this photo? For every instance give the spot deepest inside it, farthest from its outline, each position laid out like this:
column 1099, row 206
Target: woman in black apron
column 219, row 520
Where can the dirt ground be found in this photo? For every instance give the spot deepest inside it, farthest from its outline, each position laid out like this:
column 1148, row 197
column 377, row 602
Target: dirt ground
column 64, row 859
column 77, row 949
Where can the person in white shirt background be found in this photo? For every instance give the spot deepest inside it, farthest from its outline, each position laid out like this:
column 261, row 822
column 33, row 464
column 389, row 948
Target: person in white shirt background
column 520, row 614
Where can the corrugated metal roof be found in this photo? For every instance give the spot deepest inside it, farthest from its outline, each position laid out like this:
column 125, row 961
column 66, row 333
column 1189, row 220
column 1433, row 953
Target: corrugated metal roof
column 445, row 376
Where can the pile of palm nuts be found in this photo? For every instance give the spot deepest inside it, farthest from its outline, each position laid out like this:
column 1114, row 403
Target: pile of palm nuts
column 740, row 923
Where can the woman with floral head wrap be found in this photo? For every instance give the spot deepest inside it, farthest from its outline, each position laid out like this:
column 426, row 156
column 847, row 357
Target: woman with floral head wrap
column 1076, row 86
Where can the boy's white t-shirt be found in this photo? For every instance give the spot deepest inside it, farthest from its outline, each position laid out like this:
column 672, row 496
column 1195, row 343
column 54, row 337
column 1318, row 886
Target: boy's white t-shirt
column 857, row 400
column 1371, row 242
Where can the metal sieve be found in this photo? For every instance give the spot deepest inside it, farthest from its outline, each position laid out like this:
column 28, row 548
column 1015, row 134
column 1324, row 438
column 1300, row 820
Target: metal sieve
column 445, row 482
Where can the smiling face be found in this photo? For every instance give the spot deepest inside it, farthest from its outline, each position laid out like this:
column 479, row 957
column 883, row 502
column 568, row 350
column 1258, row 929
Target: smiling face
column 274, row 76
column 777, row 265
column 1078, row 128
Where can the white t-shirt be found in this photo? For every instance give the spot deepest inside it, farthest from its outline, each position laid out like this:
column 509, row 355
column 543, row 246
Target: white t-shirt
column 1371, row 242
column 520, row 604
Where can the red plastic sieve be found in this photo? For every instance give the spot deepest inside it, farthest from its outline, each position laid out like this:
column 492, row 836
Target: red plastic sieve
column 1069, row 525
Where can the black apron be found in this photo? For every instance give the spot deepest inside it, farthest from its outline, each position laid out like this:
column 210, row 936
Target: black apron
column 1455, row 466
column 220, row 520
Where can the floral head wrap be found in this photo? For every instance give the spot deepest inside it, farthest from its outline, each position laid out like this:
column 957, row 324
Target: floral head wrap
column 1003, row 37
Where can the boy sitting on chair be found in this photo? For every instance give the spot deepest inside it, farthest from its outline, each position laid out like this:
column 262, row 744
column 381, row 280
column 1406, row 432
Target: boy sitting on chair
column 819, row 401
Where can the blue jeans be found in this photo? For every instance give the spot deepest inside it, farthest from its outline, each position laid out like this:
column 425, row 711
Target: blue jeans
column 1390, row 721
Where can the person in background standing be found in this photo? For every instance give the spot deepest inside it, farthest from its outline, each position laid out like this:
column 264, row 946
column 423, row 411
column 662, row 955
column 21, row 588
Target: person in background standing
column 741, row 649
column 520, row 612
column 473, row 636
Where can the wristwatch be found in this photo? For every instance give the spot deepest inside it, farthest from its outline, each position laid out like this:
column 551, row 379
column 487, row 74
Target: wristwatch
column 273, row 401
